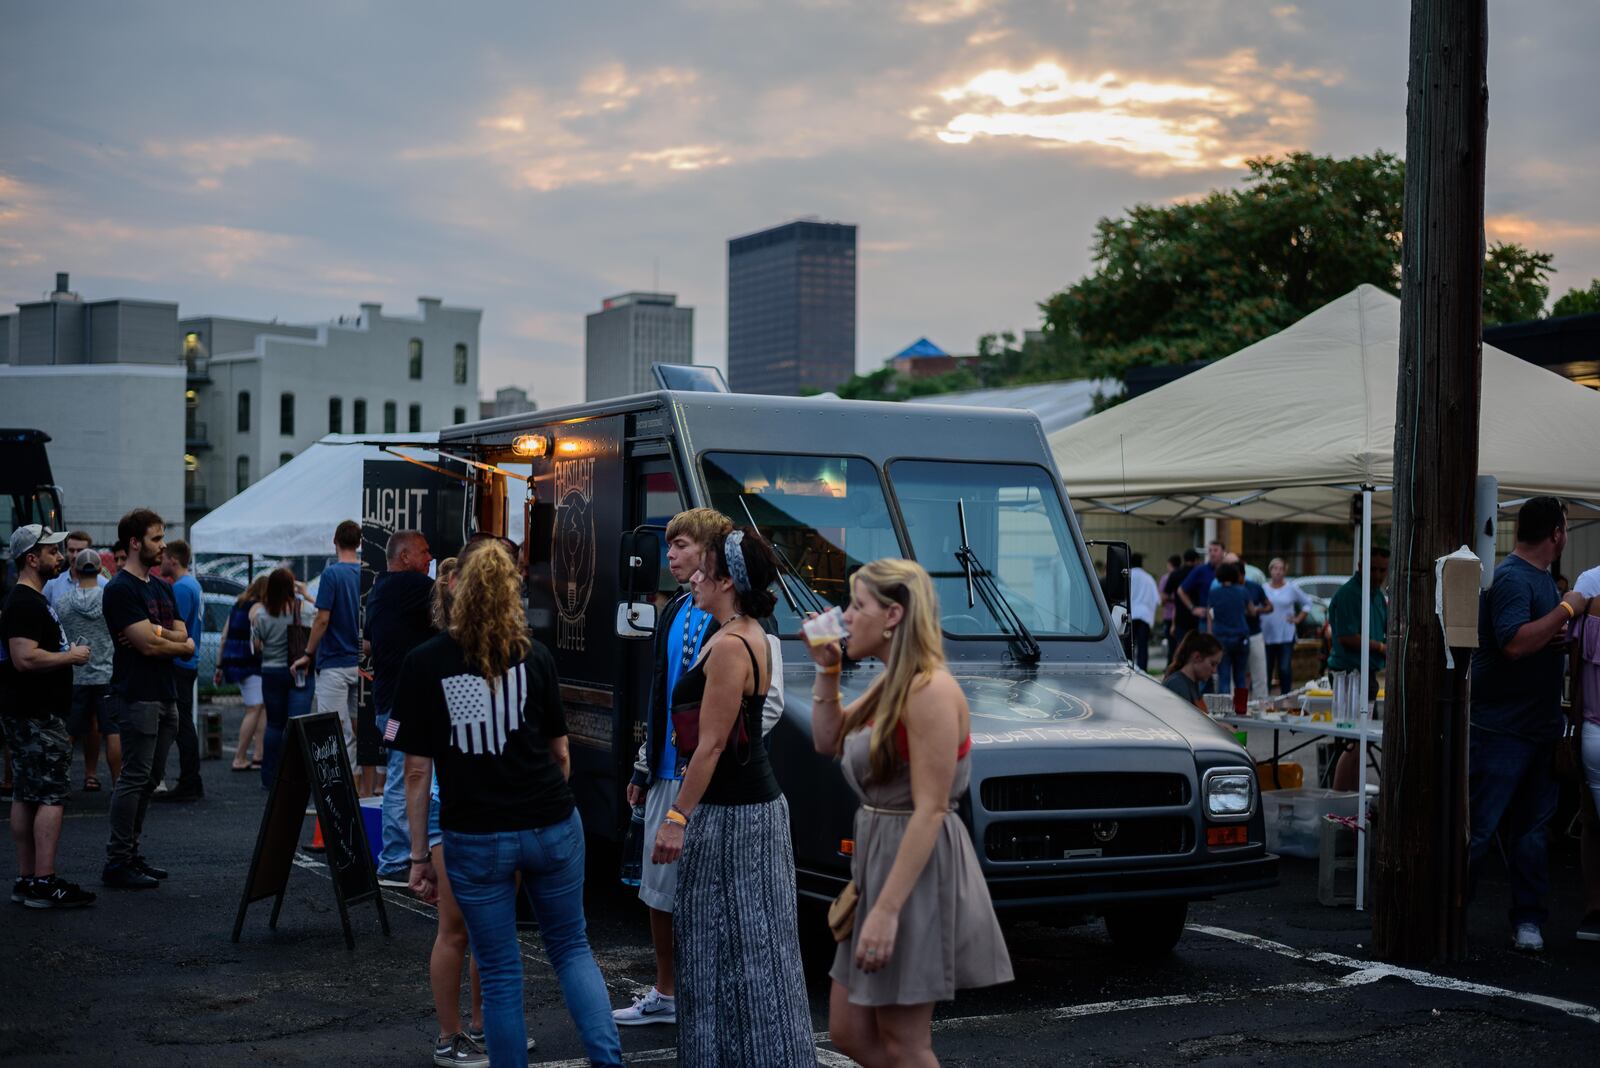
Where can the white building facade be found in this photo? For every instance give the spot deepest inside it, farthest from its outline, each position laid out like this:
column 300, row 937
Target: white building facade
column 261, row 392
column 629, row 333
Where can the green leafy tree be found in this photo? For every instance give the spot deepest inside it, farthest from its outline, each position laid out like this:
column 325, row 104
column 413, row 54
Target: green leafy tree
column 1204, row 278
column 1579, row 301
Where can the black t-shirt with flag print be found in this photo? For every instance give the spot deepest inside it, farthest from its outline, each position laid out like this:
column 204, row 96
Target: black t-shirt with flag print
column 489, row 743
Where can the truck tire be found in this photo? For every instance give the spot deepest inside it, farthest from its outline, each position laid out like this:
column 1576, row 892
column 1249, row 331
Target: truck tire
column 1147, row 931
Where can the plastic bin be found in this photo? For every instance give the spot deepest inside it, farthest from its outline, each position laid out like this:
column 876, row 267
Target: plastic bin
column 1294, row 818
column 372, row 823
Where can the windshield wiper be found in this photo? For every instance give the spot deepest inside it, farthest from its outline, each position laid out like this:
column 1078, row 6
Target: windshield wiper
column 815, row 602
column 979, row 579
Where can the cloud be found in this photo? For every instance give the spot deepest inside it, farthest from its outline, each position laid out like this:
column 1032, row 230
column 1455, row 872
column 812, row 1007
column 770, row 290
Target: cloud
column 1212, row 113
column 939, row 12
column 207, row 160
column 1539, row 233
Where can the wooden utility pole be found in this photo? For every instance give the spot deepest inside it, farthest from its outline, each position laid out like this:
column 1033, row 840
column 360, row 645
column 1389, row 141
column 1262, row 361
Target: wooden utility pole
column 1422, row 825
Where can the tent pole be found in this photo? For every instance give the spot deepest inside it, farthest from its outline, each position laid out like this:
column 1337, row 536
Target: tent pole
column 1362, row 691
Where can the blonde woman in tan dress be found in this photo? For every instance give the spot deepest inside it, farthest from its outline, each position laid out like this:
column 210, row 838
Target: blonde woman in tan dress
column 924, row 924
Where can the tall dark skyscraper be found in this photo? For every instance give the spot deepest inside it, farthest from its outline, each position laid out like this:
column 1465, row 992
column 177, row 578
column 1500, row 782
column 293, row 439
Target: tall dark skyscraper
column 792, row 308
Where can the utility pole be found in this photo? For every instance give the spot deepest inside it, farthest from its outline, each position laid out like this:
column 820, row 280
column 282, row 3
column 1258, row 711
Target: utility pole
column 1422, row 825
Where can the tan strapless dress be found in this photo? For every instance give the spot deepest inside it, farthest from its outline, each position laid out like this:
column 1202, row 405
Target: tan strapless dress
column 948, row 937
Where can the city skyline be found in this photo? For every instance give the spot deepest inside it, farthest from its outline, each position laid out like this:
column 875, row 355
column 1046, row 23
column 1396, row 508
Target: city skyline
column 530, row 159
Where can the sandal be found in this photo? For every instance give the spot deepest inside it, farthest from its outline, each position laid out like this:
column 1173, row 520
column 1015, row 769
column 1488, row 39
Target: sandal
column 242, row 767
column 90, row 784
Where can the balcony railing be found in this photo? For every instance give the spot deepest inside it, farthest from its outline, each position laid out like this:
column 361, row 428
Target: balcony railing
column 194, row 498
column 196, row 435
column 198, row 368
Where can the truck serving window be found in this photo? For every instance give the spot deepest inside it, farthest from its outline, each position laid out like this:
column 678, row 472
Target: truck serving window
column 826, row 514
column 1016, row 527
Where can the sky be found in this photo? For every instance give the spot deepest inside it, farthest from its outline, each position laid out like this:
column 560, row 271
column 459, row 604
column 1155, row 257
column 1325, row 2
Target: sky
column 531, row 158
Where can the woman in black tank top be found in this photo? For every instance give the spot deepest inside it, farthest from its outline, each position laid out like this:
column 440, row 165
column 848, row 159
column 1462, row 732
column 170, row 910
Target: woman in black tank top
column 734, row 917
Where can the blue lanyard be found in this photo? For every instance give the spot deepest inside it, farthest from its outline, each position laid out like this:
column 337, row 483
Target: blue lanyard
column 687, row 654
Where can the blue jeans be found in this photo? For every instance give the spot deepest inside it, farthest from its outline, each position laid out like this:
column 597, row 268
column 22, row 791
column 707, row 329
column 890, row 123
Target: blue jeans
column 1234, row 671
column 1280, row 659
column 1511, row 788
column 283, row 699
column 482, row 869
column 394, row 853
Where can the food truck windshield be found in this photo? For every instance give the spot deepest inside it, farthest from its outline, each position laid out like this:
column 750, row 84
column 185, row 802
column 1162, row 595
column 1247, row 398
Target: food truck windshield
column 828, row 515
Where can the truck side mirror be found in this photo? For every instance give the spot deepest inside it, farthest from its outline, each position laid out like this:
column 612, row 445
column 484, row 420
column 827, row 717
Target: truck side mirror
column 1118, row 565
column 639, row 569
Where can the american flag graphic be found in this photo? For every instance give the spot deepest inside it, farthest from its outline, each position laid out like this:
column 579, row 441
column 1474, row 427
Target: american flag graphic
column 391, row 729
column 482, row 717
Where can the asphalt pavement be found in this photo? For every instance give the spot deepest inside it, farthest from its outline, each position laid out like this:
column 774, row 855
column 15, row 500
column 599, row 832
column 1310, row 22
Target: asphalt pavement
column 151, row 978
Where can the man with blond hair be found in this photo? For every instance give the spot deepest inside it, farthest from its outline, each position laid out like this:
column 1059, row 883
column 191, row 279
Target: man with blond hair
column 682, row 630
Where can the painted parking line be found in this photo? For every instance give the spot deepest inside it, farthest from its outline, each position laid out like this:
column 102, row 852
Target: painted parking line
column 1364, row 971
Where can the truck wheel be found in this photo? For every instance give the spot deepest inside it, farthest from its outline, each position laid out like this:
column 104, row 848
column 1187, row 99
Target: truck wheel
column 1147, row 931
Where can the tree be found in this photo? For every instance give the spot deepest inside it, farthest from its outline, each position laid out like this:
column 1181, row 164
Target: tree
column 1204, row 278
column 1579, row 301
column 1514, row 287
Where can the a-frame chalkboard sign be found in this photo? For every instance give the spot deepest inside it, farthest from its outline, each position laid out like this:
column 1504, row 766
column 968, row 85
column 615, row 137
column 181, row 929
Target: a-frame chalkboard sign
column 314, row 767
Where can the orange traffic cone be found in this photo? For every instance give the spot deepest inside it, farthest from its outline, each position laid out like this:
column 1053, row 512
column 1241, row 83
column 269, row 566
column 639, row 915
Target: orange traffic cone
column 316, row 845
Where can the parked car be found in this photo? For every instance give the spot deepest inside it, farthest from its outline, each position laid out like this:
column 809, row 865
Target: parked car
column 214, row 610
column 1319, row 589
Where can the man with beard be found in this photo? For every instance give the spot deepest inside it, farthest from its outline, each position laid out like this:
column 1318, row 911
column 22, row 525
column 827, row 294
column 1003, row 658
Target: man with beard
column 36, row 676
column 142, row 616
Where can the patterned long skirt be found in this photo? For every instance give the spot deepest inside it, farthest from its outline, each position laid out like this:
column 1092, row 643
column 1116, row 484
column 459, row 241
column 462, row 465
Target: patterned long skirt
column 741, row 987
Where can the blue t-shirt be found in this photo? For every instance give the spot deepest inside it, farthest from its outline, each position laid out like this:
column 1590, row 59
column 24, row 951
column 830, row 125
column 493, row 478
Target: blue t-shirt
column 1198, row 584
column 1229, row 620
column 186, row 592
column 683, row 646
column 1523, row 696
column 339, row 593
column 1258, row 596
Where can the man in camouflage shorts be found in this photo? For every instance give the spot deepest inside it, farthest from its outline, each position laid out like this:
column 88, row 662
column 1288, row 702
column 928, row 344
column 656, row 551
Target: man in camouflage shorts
column 36, row 677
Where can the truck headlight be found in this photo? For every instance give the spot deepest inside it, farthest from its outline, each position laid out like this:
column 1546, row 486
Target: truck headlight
column 1230, row 793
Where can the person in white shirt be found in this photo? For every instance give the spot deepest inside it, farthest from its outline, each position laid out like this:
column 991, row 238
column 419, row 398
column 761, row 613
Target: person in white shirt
column 1144, row 601
column 1289, row 604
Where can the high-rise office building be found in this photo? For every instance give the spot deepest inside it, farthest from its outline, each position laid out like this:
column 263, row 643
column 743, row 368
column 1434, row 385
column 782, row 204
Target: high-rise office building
column 792, row 308
column 629, row 333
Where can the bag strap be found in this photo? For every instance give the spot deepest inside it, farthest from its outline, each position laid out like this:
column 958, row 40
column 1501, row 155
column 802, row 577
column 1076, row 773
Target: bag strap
column 755, row 668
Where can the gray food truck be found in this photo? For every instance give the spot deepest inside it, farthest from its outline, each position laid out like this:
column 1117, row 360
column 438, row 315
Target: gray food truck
column 1095, row 791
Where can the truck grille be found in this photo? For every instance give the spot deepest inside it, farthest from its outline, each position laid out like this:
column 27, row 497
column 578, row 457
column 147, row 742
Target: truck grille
column 1068, row 839
column 1084, row 790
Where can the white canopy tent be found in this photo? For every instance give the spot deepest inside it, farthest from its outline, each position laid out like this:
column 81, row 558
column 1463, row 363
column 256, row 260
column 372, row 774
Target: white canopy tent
column 1290, row 427
column 293, row 510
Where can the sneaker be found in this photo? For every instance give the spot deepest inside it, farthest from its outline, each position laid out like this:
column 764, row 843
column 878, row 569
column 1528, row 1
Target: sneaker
column 653, row 1008
column 459, row 1050
column 56, row 893
column 181, row 795
column 476, row 1036
column 1589, row 929
column 19, row 890
column 141, row 864
column 127, row 877
column 397, row 879
column 1527, row 938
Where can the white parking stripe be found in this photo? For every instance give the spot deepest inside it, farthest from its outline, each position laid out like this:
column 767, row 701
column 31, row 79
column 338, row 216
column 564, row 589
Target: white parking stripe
column 1371, row 972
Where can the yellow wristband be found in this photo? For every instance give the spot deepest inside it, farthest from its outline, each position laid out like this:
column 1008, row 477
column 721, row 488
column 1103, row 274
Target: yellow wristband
column 836, row 669
column 674, row 816
column 1572, row 613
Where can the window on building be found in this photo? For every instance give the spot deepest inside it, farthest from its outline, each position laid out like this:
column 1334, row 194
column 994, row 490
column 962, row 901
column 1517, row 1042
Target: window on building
column 358, row 416
column 416, row 359
column 461, row 415
column 284, row 457
column 286, row 415
column 241, row 473
column 389, row 417
column 335, row 415
column 244, row 411
column 416, row 418
column 461, row 366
